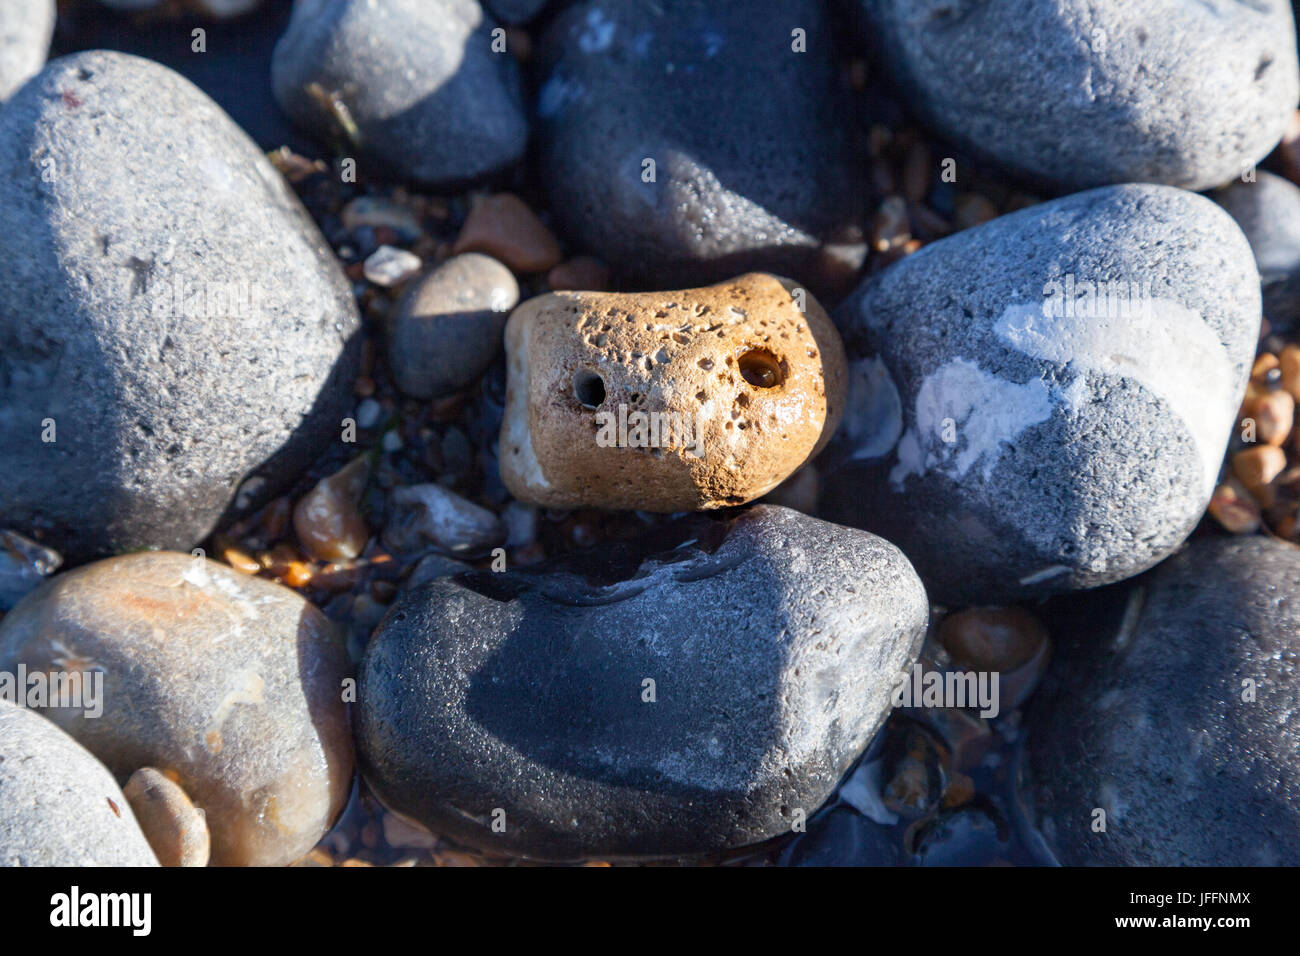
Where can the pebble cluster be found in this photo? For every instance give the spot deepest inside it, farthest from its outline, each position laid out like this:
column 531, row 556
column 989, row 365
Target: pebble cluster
column 320, row 374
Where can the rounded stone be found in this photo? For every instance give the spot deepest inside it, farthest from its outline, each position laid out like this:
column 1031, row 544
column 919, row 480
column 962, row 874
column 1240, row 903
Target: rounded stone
column 1268, row 212
column 667, row 703
column 59, row 806
column 414, row 84
column 176, row 829
column 1051, row 393
column 687, row 141
column 448, row 324
column 1084, row 93
column 1172, row 708
column 668, row 401
column 232, row 684
column 172, row 330
column 26, row 28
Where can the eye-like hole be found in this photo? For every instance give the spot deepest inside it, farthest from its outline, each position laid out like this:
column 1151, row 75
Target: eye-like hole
column 588, row 388
column 761, row 368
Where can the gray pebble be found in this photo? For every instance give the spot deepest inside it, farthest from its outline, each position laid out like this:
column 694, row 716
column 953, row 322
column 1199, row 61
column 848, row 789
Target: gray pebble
column 428, row 96
column 24, row 566
column 706, row 698
column 59, row 806
column 447, row 328
column 1268, row 212
column 26, row 28
column 1179, row 723
column 234, row 683
column 1048, row 441
column 753, row 168
column 168, row 327
column 1085, row 93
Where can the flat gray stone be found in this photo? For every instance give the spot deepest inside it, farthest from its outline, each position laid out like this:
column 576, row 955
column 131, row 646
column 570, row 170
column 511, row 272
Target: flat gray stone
column 429, row 97
column 1154, row 722
column 754, row 169
column 173, row 323
column 233, row 683
column 520, row 698
column 1084, row 93
column 26, row 28
column 1017, row 438
column 447, row 327
column 59, row 806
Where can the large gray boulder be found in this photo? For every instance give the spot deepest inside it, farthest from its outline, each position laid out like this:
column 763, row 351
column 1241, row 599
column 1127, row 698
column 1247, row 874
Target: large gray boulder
column 26, row 27
column 705, row 699
column 1181, row 724
column 1043, row 403
column 172, row 323
column 425, row 94
column 1082, row 93
column 742, row 117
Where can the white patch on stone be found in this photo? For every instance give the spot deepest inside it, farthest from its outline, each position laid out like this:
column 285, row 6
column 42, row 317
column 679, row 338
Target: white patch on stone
column 1167, row 349
column 987, row 412
column 1046, row 574
column 598, row 34
column 874, row 420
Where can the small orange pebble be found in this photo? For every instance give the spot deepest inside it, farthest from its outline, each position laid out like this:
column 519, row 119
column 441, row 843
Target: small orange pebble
column 298, row 575
column 327, row 519
column 1234, row 508
column 1273, row 414
column 581, row 273
column 502, row 226
column 240, row 561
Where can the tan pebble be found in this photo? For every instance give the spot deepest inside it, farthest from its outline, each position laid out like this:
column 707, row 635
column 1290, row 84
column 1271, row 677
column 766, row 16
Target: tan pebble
column 1289, row 363
column 327, row 519
column 176, row 829
column 668, row 401
column 240, row 561
column 298, row 575
column 1274, row 415
column 1232, row 506
column 582, row 273
column 1257, row 467
column 505, row 228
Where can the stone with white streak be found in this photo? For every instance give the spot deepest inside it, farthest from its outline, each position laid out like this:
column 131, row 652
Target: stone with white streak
column 1062, row 382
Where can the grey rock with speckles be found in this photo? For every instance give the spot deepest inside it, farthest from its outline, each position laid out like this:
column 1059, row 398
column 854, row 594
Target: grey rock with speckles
column 753, row 169
column 1149, row 722
column 1016, row 437
column 168, row 329
column 1082, row 93
column 26, row 27
column 430, row 98
column 447, row 327
column 233, row 683
column 772, row 643
column 1268, row 212
column 59, row 806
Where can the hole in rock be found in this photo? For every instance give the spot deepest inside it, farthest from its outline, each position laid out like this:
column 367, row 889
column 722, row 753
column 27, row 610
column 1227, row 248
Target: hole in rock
column 761, row 368
column 588, row 388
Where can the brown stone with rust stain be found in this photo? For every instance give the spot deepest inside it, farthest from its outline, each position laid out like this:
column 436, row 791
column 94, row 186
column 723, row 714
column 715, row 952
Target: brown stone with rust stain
column 176, row 829
column 734, row 388
column 230, row 683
